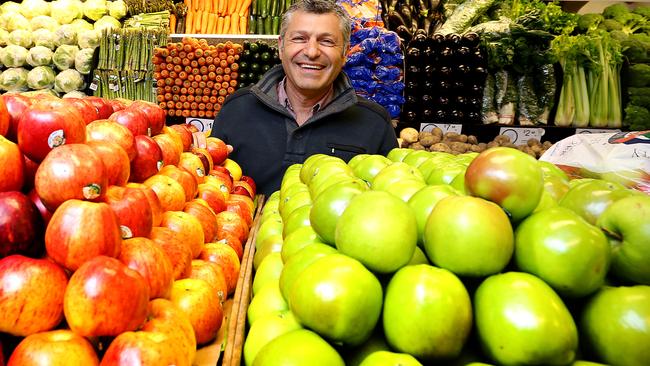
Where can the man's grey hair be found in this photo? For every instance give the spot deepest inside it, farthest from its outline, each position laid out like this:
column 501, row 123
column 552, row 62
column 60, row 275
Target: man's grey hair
column 319, row 7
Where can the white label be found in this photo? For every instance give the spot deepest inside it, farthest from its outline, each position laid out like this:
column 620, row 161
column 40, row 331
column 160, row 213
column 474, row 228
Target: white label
column 56, row 138
column 149, row 131
column 445, row 127
column 200, row 172
column 93, row 86
column 91, row 191
column 520, row 135
column 126, row 232
column 596, row 130
column 159, row 164
column 203, row 124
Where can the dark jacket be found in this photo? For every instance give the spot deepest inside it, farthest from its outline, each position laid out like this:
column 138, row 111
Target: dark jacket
column 267, row 140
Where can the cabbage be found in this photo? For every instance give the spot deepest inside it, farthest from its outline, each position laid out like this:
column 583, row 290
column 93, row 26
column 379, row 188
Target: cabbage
column 74, row 94
column 83, row 60
column 81, row 25
column 4, row 37
column 64, row 56
column 68, row 80
column 10, row 7
column 66, row 34
column 45, row 38
column 34, row 8
column 117, row 9
column 65, row 11
column 13, row 21
column 40, row 77
column 43, row 21
column 20, row 37
column 14, row 79
column 89, row 39
column 14, row 56
column 107, row 22
column 39, row 56
column 95, row 9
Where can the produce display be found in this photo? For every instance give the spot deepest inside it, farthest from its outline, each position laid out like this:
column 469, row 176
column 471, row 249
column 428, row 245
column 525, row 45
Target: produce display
column 265, row 16
column 255, row 59
column 51, row 46
column 193, row 78
column 422, row 257
column 217, row 16
column 120, row 237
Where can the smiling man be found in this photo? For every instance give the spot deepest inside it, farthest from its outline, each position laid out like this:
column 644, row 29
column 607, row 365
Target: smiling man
column 306, row 105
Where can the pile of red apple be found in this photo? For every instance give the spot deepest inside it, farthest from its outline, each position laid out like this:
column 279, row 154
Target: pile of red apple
column 120, row 237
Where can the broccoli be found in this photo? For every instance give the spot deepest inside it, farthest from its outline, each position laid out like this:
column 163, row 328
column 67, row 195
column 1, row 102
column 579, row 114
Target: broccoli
column 629, row 21
column 588, row 22
column 610, row 25
column 636, row 47
column 637, row 118
column 638, row 75
column 616, row 11
column 619, row 35
column 639, row 97
column 642, row 10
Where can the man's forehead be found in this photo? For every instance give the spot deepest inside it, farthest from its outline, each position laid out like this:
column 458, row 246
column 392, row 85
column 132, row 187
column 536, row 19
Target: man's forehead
column 318, row 27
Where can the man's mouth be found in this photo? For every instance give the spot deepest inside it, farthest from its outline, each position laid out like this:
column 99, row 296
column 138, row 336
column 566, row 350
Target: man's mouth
column 311, row 66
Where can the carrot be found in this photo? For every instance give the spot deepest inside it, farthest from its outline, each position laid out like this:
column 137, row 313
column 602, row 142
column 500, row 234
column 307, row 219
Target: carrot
column 211, row 23
column 172, row 23
column 204, row 22
column 189, row 21
column 208, row 6
column 201, row 4
column 195, row 5
column 215, row 6
column 243, row 7
column 226, row 24
column 234, row 23
column 222, row 7
column 243, row 24
column 220, row 25
column 197, row 21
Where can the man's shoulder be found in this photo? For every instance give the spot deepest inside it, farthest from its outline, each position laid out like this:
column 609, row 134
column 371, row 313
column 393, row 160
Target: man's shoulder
column 372, row 107
column 238, row 95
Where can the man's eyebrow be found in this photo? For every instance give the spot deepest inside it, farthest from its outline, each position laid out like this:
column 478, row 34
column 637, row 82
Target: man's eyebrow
column 303, row 32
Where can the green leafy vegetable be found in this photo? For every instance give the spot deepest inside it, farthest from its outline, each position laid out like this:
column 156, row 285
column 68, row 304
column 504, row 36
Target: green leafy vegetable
column 20, row 37
column 64, row 56
column 44, row 22
column 65, row 34
column 41, row 77
column 68, row 80
column 637, row 118
column 14, row 56
column 14, row 79
column 45, row 38
column 83, row 60
column 95, row 9
column 39, row 56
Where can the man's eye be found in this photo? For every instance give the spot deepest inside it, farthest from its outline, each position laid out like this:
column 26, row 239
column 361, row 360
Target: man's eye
column 328, row 43
column 298, row 39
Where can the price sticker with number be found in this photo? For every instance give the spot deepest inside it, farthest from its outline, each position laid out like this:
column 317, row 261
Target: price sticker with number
column 596, row 130
column 445, row 127
column 521, row 135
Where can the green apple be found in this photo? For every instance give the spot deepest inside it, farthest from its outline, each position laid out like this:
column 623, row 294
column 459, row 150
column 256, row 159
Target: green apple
column 423, row 202
column 545, row 202
column 355, row 355
column 271, row 207
column 398, row 154
column 564, row 250
column 308, row 166
column 436, row 159
column 337, row 297
column 297, row 240
column 298, row 262
column 458, row 183
column 379, row 230
column 268, row 271
column 357, row 159
column 550, row 169
column 271, row 226
column 466, row 158
column 587, row 363
column 445, row 173
column 393, row 173
column 330, row 204
column 616, row 324
column 298, row 218
column 287, row 193
column 271, row 244
column 627, row 223
column 298, row 347
column 370, row 167
column 418, row 257
column 427, row 312
column 387, row 358
column 508, row 177
column 556, row 186
column 294, row 202
column 521, row 321
column 268, row 300
column 416, row 157
column 590, row 198
column 324, row 170
column 291, row 176
column 339, row 179
column 405, row 189
column 266, row 329
column 469, row 236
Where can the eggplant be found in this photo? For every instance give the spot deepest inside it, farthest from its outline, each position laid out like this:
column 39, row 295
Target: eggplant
column 404, row 33
column 426, row 99
column 441, row 115
column 456, row 116
column 461, row 100
column 395, row 20
column 445, row 72
column 430, row 71
column 442, row 101
column 413, row 53
column 413, row 70
column 463, row 70
column 474, row 103
column 412, row 86
column 464, row 53
column 473, row 117
column 444, row 86
column 453, row 39
column 446, row 54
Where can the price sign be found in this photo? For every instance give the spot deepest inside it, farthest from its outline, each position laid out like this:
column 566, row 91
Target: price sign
column 445, row 127
column 521, row 135
column 596, row 130
column 203, row 124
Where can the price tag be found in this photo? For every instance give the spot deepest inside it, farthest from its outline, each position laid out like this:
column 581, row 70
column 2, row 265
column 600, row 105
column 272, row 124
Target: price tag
column 93, row 86
column 445, row 127
column 203, row 124
column 521, row 135
column 596, row 130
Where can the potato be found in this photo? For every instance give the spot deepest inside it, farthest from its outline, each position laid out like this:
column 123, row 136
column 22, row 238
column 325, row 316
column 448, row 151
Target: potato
column 533, row 142
column 409, row 134
column 462, row 138
column 428, row 140
column 436, row 131
column 424, row 134
column 471, row 139
column 417, row 146
column 440, row 147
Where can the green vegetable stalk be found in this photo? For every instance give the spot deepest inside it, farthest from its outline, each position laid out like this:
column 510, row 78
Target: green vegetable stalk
column 604, row 82
column 573, row 106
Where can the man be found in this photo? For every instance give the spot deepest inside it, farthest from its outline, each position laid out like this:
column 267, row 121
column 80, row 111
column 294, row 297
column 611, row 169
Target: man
column 305, row 106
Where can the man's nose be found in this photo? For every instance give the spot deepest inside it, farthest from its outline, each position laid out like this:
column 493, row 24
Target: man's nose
column 311, row 49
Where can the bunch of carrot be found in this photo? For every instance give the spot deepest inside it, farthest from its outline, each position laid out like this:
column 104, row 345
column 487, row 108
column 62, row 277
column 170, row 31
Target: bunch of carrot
column 194, row 78
column 217, row 16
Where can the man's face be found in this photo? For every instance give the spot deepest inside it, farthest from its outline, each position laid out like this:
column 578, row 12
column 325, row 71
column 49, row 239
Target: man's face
column 312, row 52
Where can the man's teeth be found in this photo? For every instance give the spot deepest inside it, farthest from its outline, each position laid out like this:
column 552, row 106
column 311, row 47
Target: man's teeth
column 311, row 67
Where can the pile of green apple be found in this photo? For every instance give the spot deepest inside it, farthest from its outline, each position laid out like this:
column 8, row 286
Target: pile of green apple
column 424, row 257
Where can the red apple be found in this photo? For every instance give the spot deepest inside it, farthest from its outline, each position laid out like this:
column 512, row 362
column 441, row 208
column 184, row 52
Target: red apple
column 241, row 208
column 187, row 227
column 244, row 198
column 70, row 171
column 226, row 258
column 56, row 347
column 42, row 128
column 178, row 252
column 232, row 241
column 31, row 295
column 192, row 164
column 104, row 109
column 251, row 183
column 205, row 215
column 87, row 109
column 81, row 230
column 132, row 210
column 148, row 259
column 105, row 298
column 183, row 177
column 233, row 223
column 12, row 166
column 116, row 104
column 201, row 304
column 217, row 149
column 30, row 173
column 116, row 161
column 185, row 135
column 213, row 196
column 243, row 188
column 132, row 119
column 169, row 192
column 154, row 202
column 45, row 214
column 5, row 118
column 148, row 160
column 16, row 105
column 211, row 273
column 170, row 149
column 154, row 114
column 110, row 131
column 21, row 226
column 205, row 157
